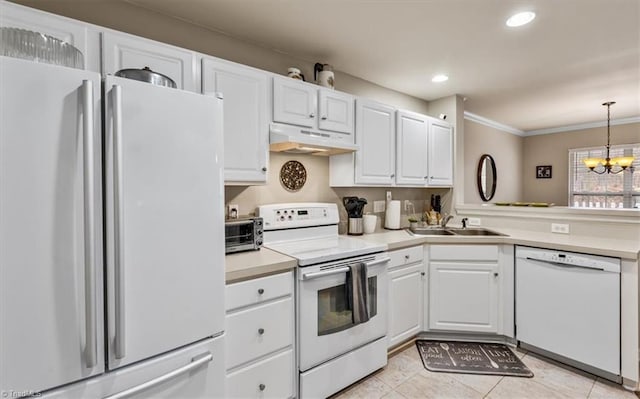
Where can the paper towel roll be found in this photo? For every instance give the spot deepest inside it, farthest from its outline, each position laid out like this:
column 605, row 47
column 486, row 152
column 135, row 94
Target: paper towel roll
column 392, row 216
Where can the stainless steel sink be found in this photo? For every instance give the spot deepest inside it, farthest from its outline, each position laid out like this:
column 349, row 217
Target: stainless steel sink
column 474, row 231
column 429, row 231
column 452, row 231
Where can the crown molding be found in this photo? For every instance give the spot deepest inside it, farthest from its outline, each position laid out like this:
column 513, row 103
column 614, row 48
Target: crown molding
column 491, row 123
column 582, row 126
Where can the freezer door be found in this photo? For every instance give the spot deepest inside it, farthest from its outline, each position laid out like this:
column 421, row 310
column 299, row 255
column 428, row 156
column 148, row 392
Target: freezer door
column 194, row 372
column 51, row 308
column 164, row 217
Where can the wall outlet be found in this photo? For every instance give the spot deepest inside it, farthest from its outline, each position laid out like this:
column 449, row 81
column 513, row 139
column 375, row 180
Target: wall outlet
column 233, row 210
column 388, row 195
column 474, row 222
column 560, row 228
column 378, row 206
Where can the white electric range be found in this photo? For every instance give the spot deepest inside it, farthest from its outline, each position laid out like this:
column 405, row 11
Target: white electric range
column 333, row 350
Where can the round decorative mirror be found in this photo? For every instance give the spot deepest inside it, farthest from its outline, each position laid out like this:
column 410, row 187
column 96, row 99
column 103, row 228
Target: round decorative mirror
column 487, row 177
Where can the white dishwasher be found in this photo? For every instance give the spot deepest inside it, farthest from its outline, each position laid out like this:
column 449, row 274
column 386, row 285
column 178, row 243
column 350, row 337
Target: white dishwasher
column 568, row 306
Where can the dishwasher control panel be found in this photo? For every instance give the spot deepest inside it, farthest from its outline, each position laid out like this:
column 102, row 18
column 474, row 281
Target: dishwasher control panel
column 569, row 258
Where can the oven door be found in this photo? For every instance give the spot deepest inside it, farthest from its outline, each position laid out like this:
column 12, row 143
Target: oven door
column 325, row 326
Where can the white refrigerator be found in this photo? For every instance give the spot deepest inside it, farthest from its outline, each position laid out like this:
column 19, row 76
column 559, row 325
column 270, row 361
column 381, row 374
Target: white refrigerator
column 111, row 237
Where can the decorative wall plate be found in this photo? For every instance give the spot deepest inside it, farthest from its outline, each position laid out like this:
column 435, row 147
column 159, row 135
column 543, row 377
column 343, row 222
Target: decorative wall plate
column 293, row 175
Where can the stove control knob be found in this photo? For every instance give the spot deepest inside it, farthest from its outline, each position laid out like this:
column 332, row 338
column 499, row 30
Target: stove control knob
column 278, row 212
column 258, row 242
column 281, row 217
column 260, row 331
column 290, row 217
column 260, row 291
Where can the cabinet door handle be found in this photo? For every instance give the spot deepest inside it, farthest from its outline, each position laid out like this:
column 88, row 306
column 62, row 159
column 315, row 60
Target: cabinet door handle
column 407, row 257
column 264, row 168
column 426, row 177
column 312, row 115
column 262, row 387
column 260, row 291
column 260, row 331
column 422, row 273
column 324, row 118
column 392, row 175
column 495, row 274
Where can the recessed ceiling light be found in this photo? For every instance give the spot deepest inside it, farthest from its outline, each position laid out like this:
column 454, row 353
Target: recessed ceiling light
column 440, row 78
column 521, row 18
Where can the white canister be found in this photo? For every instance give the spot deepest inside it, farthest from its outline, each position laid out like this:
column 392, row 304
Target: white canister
column 369, row 222
column 323, row 74
column 325, row 78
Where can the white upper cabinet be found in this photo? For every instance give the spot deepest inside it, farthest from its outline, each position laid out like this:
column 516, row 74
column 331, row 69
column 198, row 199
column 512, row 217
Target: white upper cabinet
column 77, row 33
column 411, row 140
column 122, row 51
column 440, row 154
column 336, row 111
column 375, row 134
column 396, row 148
column 294, row 102
column 304, row 104
column 246, row 118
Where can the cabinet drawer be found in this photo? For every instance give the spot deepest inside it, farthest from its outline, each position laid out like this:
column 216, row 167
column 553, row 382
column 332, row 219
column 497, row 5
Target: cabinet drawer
column 269, row 378
column 463, row 252
column 406, row 256
column 258, row 290
column 259, row 330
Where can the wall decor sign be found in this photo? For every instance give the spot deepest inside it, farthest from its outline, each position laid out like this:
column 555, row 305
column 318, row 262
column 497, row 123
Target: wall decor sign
column 543, row 172
column 293, row 175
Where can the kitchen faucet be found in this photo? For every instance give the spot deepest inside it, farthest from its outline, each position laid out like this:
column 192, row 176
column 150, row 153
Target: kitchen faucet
column 464, row 222
column 445, row 220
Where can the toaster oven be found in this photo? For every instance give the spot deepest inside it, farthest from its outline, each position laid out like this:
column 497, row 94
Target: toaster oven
column 243, row 234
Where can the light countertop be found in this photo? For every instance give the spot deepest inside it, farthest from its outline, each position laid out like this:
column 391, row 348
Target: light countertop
column 625, row 249
column 253, row 264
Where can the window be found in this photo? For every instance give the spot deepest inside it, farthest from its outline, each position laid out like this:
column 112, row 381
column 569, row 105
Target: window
column 591, row 190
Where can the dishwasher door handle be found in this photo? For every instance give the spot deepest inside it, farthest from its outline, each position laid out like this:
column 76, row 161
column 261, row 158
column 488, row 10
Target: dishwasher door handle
column 560, row 264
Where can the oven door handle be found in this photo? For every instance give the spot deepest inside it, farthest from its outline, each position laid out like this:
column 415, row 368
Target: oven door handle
column 340, row 270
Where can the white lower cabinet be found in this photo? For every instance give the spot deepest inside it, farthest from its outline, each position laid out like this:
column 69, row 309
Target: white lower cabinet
column 406, row 273
column 264, row 378
column 464, row 288
column 260, row 359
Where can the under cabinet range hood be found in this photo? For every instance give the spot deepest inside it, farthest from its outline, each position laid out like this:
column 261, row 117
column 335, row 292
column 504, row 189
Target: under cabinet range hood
column 300, row 140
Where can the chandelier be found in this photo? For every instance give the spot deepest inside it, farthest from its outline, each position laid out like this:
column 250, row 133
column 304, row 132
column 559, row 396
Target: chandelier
column 608, row 164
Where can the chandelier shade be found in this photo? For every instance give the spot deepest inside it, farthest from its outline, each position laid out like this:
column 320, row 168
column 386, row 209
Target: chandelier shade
column 608, row 165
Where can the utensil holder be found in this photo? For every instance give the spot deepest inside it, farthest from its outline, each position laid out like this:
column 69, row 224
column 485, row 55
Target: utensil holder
column 355, row 227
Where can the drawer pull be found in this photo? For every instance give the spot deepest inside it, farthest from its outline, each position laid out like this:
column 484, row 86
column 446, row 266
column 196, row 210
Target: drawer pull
column 260, row 291
column 260, row 331
column 262, row 387
column 407, row 257
column 495, row 274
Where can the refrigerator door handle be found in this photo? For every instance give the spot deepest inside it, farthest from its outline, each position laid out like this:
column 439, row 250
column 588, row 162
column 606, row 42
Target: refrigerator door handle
column 118, row 199
column 195, row 363
column 91, row 323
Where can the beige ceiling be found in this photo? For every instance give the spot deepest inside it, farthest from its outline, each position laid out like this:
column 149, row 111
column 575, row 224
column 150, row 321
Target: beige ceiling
column 553, row 72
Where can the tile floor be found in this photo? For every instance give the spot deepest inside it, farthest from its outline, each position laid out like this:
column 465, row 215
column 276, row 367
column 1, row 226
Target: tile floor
column 405, row 377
